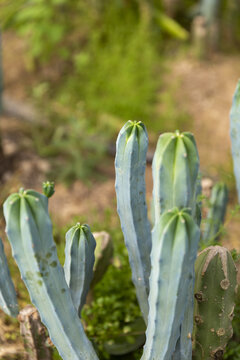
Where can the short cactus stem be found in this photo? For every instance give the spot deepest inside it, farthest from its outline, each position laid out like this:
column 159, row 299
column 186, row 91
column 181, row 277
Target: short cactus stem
column 215, row 290
column 48, row 188
column 175, row 172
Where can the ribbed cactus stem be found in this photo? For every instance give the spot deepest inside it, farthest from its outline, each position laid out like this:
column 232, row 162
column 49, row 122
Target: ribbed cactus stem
column 215, row 290
column 216, row 213
column 8, row 296
column 235, row 135
column 79, row 261
column 29, row 231
column 175, row 171
column 174, row 249
column 130, row 166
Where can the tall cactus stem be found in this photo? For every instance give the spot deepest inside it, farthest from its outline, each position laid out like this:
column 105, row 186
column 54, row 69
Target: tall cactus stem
column 130, row 166
column 174, row 249
column 29, row 231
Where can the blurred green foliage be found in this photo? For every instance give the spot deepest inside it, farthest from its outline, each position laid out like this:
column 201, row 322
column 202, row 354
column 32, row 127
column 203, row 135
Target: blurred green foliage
column 104, row 58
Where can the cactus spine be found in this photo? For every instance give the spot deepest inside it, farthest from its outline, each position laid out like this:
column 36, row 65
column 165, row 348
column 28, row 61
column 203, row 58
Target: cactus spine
column 215, row 287
column 174, row 248
column 8, row 296
column 235, row 135
column 216, row 213
column 79, row 261
column 130, row 166
column 29, row 231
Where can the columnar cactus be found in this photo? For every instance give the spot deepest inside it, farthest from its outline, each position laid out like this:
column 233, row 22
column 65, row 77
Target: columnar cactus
column 215, row 288
column 29, row 231
column 175, row 172
column 216, row 213
column 79, row 262
column 8, row 296
column 235, row 135
column 130, row 166
column 174, row 248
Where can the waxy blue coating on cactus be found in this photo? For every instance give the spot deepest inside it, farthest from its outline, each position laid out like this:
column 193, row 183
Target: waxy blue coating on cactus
column 175, row 171
column 235, row 135
column 215, row 291
column 29, row 231
column 216, row 213
column 79, row 262
column 174, row 248
column 8, row 296
column 130, row 166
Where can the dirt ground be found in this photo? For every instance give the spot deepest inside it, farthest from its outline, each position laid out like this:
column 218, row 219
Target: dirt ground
column 205, row 92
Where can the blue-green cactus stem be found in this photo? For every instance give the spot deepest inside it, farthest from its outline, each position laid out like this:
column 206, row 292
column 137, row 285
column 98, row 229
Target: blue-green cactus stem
column 79, row 262
column 214, row 292
column 235, row 135
column 175, row 171
column 216, row 213
column 130, row 166
column 174, row 249
column 29, row 231
column 8, row 296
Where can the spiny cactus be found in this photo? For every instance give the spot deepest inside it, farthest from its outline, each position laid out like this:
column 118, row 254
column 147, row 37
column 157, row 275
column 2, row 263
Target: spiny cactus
column 29, row 231
column 130, row 166
column 235, row 135
column 215, row 288
column 79, row 261
column 216, row 213
column 174, row 249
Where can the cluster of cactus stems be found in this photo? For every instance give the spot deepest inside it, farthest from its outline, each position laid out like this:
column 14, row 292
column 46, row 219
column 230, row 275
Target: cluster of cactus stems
column 162, row 259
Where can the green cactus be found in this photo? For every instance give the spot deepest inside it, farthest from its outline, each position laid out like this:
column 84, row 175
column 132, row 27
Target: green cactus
column 48, row 188
column 8, row 296
column 216, row 214
column 174, row 249
column 235, row 135
column 29, row 231
column 79, row 262
column 175, row 172
column 214, row 292
column 130, row 166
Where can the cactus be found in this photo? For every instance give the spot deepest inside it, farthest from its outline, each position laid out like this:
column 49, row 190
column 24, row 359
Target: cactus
column 79, row 261
column 215, row 288
column 48, row 188
column 29, row 231
column 174, row 248
column 8, row 296
column 216, row 213
column 130, row 166
column 235, row 135
column 175, row 171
